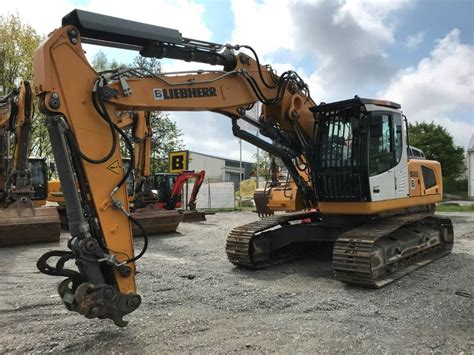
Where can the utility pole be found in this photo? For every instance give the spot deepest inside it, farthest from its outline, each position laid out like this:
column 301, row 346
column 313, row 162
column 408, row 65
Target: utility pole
column 240, row 172
column 258, row 150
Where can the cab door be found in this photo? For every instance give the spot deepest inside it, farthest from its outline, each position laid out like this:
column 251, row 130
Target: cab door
column 387, row 157
column 401, row 158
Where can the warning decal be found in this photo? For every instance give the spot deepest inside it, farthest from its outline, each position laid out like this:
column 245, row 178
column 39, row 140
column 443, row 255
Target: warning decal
column 115, row 167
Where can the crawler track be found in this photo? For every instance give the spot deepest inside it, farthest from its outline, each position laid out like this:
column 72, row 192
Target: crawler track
column 368, row 256
column 240, row 248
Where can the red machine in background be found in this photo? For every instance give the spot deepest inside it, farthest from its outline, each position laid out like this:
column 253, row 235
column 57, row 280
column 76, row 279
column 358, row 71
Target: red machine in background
column 168, row 190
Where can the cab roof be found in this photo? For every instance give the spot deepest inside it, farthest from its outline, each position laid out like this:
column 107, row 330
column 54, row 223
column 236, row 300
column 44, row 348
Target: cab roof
column 351, row 102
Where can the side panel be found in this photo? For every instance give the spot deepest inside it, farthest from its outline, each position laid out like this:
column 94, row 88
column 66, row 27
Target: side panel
column 387, row 149
column 421, row 169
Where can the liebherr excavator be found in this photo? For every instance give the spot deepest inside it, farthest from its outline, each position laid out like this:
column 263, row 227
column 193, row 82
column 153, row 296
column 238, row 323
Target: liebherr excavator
column 363, row 194
column 23, row 219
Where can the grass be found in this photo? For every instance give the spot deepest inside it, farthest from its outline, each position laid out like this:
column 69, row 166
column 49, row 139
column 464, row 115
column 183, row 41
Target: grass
column 454, row 208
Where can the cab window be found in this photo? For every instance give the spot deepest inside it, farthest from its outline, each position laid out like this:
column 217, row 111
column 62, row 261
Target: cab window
column 386, row 142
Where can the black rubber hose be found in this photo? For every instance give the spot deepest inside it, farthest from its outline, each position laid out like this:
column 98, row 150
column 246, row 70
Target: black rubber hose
column 9, row 96
column 145, row 241
column 45, row 268
column 130, row 168
column 260, row 69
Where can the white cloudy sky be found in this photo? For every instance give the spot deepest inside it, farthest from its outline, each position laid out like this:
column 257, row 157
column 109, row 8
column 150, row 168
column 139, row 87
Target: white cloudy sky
column 418, row 53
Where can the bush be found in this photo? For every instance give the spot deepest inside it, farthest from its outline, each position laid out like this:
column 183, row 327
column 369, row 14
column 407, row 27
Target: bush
column 456, row 187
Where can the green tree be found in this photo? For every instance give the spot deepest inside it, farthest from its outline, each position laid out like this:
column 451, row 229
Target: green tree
column 262, row 163
column 100, row 62
column 18, row 42
column 438, row 144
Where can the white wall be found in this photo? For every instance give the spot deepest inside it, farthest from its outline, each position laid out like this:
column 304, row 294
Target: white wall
column 214, row 195
column 214, row 167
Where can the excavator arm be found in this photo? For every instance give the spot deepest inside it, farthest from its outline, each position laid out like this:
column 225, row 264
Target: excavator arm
column 140, row 125
column 17, row 119
column 80, row 106
column 21, row 220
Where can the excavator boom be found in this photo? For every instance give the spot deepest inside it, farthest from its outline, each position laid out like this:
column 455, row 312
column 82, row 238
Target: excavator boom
column 80, row 106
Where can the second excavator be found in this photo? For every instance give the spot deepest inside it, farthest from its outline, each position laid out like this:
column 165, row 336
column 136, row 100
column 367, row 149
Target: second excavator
column 348, row 160
column 23, row 181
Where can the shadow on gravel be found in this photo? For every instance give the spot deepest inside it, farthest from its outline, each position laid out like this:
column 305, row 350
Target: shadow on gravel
column 202, row 223
column 314, row 260
column 306, row 259
column 106, row 340
column 162, row 236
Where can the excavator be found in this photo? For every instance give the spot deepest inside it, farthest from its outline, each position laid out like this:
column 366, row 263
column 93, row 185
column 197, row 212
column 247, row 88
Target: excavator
column 154, row 220
column 23, row 181
column 165, row 191
column 363, row 194
column 280, row 193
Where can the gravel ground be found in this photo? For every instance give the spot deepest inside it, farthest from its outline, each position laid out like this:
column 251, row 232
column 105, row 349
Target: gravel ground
column 194, row 300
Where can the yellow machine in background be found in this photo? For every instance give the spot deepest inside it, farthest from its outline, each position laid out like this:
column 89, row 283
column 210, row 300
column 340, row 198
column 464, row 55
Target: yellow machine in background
column 358, row 189
column 23, row 181
column 280, row 194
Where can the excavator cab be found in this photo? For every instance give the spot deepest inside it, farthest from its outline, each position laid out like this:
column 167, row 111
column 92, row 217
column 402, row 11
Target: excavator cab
column 163, row 184
column 167, row 191
column 361, row 156
column 39, row 180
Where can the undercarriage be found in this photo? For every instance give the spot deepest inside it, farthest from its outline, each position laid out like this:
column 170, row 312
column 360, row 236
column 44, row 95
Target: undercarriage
column 371, row 253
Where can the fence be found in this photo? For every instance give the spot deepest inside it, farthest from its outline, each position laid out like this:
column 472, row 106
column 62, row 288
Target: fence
column 213, row 195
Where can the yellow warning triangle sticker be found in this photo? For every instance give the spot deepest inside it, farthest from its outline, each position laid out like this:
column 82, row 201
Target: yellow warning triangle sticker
column 115, row 167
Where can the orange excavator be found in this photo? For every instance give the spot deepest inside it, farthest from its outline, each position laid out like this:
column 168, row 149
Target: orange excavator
column 280, row 193
column 23, row 181
column 348, row 160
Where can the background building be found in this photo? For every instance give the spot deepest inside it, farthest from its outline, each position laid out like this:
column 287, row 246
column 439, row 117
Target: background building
column 219, row 169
